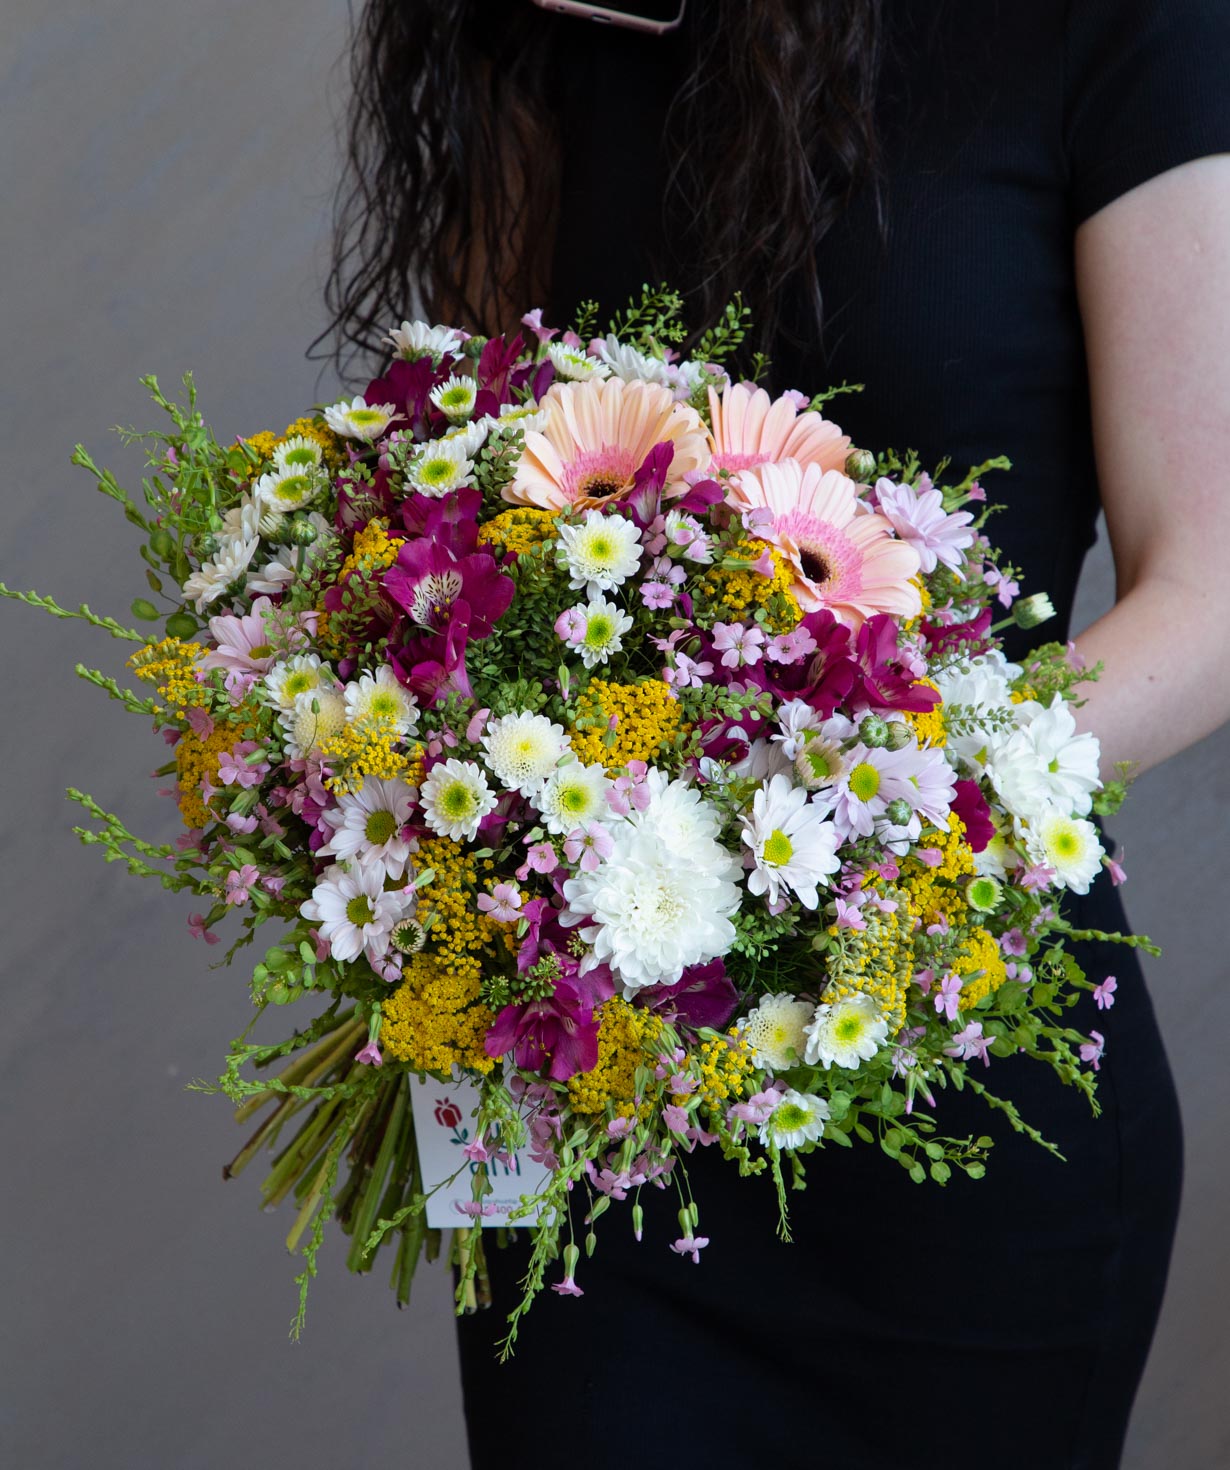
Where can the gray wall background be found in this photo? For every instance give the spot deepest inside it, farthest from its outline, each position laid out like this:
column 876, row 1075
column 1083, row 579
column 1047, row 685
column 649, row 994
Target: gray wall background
column 167, row 173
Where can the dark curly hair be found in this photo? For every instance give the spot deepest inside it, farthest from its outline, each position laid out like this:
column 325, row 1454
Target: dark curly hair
column 449, row 199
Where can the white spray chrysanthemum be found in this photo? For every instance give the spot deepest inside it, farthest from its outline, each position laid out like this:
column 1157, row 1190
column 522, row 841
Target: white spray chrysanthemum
column 301, row 673
column 379, row 701
column 574, row 365
column 628, row 363
column 528, row 417
column 522, row 750
column 314, row 717
column 290, row 488
column 601, row 552
column 414, row 339
column 229, row 565
column 360, row 420
column 793, row 847
column 797, row 1119
column 572, row 796
column 454, row 397
column 442, row 467
column 776, row 1031
column 298, row 453
column 369, row 825
column 605, row 626
column 846, row 1032
column 1045, row 762
column 1068, row 845
column 455, row 798
column 353, row 912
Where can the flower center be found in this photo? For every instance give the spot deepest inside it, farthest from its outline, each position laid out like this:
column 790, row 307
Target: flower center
column 1066, row 844
column 600, row 486
column 300, row 456
column 359, row 911
column 364, row 418
column 383, row 704
column 433, row 597
column 457, row 800
column 436, row 471
column 299, row 683
column 294, row 489
column 778, row 848
column 814, row 564
column 261, row 650
column 864, row 781
column 789, row 1116
column 849, row 1028
column 572, row 798
column 598, row 633
column 455, row 397
column 380, row 826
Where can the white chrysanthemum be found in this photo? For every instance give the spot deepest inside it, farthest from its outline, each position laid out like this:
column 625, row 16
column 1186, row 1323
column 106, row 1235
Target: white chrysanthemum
column 229, row 565
column 847, row 1032
column 441, row 468
column 528, row 417
column 455, row 798
column 820, row 762
column 301, row 673
column 798, row 1118
column 981, row 687
column 369, row 826
column 298, row 453
column 378, row 700
column 627, row 363
column 600, row 553
column 413, row 339
column 312, row 719
column 454, row 397
column 792, row 845
column 997, row 859
column 573, row 364
column 1067, row 844
column 761, row 762
column 353, row 912
column 469, row 437
column 242, row 521
column 686, row 826
column 776, row 1031
column 605, row 626
column 573, row 796
column 523, row 749
column 288, row 489
column 360, row 420
column 1045, row 762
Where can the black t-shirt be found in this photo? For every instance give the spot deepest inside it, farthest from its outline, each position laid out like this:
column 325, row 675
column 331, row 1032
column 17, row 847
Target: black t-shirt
column 1004, row 126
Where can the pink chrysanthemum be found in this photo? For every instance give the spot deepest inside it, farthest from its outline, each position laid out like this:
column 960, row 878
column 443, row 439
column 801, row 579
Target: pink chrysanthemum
column 750, row 428
column 843, row 559
column 596, row 437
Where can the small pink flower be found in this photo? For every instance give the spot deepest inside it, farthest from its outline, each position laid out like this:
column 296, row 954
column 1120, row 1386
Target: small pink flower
column 737, row 644
column 234, row 770
column 1005, row 589
column 798, row 400
column 533, row 320
column 196, row 927
column 1117, row 875
column 201, row 723
column 1104, row 994
column 676, row 1118
column 542, row 858
column 1092, row 1051
column 475, row 1209
column 976, row 492
column 848, row 916
column 690, row 1245
column 475, row 1152
column 947, row 999
column 475, row 728
column 657, row 595
column 925, row 979
column 238, row 884
column 370, row 1055
column 619, row 1128
column 1038, row 875
column 688, row 673
column 237, row 822
column 567, row 1287
column 763, row 565
column 1012, row 942
column 502, row 903
column 932, row 857
column 791, row 648
column 589, row 845
column 321, row 944
column 572, row 625
column 969, row 1044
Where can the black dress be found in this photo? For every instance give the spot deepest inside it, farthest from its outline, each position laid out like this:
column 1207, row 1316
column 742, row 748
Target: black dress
column 1003, row 1322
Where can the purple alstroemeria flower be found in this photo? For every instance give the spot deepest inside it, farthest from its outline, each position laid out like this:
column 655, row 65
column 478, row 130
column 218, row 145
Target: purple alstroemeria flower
column 558, row 1035
column 408, row 385
column 879, row 680
column 435, row 586
column 824, row 679
column 434, row 666
column 702, row 996
column 972, row 807
column 644, row 500
column 451, row 522
column 940, row 637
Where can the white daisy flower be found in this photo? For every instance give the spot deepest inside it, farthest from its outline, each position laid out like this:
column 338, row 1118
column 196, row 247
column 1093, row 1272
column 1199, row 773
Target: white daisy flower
column 847, row 1032
column 378, row 699
column 242, row 521
column 600, row 553
column 605, row 626
column 776, row 1031
column 1067, row 844
column 1045, row 762
column 798, row 1118
column 573, row 364
column 368, row 826
column 685, row 826
column 353, row 912
column 454, row 397
column 441, row 468
column 301, row 673
column 528, row 417
column 572, row 796
column 229, row 565
column 288, row 489
column 982, row 687
column 314, row 717
column 455, row 798
column 792, row 845
column 627, row 363
column 360, row 420
column 522, row 750
column 820, row 762
column 797, row 723
column 298, row 453
column 413, row 339
column 469, row 437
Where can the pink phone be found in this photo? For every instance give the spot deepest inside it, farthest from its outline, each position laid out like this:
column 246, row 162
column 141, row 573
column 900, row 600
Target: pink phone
column 655, row 16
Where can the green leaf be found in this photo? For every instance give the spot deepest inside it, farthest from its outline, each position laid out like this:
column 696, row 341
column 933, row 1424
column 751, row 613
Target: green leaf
column 181, row 625
column 145, row 610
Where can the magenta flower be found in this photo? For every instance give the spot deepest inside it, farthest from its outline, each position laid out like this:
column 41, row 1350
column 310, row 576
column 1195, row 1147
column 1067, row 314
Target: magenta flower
column 704, row 995
column 969, row 1044
column 435, row 587
column 972, row 807
column 1104, row 994
column 558, row 1034
column 690, row 1245
column 196, row 927
column 1092, row 1051
column 947, row 999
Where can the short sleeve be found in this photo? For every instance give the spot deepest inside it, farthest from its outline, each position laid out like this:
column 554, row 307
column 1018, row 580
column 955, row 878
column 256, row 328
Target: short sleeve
column 1147, row 87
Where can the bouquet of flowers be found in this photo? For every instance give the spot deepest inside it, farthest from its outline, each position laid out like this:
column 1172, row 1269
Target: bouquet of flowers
column 612, row 762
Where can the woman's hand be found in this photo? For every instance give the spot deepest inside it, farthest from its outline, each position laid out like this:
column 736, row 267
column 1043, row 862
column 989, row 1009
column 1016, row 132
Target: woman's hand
column 1153, row 279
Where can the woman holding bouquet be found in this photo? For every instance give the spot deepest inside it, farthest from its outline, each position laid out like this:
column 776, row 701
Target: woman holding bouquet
column 1012, row 225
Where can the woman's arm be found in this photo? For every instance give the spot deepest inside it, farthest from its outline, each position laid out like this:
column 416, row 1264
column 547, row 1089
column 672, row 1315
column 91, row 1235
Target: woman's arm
column 1153, row 278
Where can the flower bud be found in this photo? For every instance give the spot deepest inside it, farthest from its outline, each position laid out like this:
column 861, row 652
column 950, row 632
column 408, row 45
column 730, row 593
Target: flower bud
column 861, row 465
column 301, row 532
column 899, row 735
column 899, row 811
column 1028, row 612
column 873, row 731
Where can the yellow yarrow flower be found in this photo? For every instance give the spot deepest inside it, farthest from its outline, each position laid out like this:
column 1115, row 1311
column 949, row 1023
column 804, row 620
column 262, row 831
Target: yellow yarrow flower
column 981, row 968
column 518, row 530
column 726, row 1066
column 171, row 666
column 195, row 761
column 626, row 1041
column 928, row 726
column 646, row 716
column 743, row 592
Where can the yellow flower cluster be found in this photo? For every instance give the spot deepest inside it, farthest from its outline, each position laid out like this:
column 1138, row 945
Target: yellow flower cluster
column 726, row 1065
column 373, row 550
column 196, row 761
column 743, row 591
column 334, row 448
column 929, row 725
column 877, row 961
column 434, row 1020
column 518, row 530
column 626, row 1038
column 924, row 605
column 171, row 666
column 647, row 720
column 369, row 750
column 981, row 968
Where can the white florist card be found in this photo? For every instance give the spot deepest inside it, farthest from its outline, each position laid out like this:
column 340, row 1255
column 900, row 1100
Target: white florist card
column 443, row 1124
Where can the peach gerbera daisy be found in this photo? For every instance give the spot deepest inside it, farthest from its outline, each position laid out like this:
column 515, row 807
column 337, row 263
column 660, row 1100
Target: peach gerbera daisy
column 843, row 558
column 596, row 437
column 750, row 428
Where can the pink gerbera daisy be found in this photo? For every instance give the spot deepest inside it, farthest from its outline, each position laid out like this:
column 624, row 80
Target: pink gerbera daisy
column 750, row 428
column 596, row 437
column 844, row 558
